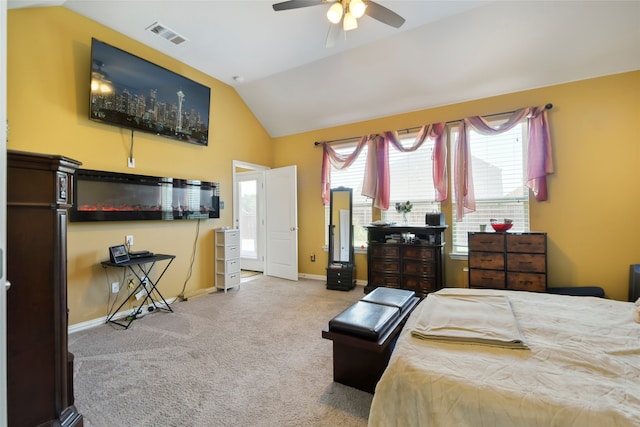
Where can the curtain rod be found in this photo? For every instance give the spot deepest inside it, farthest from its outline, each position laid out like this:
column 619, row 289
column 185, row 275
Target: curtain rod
column 407, row 130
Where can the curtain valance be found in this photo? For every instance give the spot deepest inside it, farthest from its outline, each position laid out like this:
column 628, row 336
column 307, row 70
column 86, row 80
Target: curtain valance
column 376, row 181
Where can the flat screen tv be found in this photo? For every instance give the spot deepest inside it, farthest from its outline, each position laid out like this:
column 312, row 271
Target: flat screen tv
column 131, row 92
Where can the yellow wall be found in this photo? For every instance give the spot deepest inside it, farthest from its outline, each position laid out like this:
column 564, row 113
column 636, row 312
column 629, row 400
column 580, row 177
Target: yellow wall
column 591, row 217
column 48, row 100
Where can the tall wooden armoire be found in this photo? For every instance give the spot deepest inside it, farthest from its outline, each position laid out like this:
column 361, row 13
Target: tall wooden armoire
column 39, row 367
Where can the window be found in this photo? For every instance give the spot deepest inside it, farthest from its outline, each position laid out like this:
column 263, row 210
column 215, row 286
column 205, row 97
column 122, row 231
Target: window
column 352, row 177
column 499, row 175
column 411, row 179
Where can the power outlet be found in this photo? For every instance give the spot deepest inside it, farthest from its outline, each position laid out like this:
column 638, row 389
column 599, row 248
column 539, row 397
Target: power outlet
column 128, row 240
column 115, row 287
column 131, row 162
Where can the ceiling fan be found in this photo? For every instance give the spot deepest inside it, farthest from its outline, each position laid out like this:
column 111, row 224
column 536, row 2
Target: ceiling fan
column 343, row 14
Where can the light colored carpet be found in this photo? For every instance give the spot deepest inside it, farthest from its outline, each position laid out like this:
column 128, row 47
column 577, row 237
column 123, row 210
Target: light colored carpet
column 250, row 357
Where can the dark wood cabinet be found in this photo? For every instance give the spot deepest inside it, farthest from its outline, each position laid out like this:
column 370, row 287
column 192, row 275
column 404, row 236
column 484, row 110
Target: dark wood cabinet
column 341, row 277
column 406, row 257
column 39, row 367
column 516, row 261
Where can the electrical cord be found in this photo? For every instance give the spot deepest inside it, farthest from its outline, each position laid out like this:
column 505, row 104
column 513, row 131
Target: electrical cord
column 193, row 258
column 131, row 147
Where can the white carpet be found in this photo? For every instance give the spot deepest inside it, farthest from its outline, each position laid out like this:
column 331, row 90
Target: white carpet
column 250, row 357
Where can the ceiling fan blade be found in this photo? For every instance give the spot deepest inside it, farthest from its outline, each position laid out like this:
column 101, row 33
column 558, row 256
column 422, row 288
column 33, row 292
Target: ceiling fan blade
column 296, row 4
column 384, row 15
column 335, row 30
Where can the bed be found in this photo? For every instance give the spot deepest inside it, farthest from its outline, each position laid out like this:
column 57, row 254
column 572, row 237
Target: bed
column 579, row 365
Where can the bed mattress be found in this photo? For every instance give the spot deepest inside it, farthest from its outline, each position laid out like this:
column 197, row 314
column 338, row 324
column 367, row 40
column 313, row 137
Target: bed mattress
column 582, row 368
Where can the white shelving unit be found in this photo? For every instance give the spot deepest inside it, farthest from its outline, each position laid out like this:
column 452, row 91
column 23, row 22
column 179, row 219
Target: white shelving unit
column 227, row 258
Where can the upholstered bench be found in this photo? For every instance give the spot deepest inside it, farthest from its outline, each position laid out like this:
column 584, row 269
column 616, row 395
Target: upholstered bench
column 364, row 335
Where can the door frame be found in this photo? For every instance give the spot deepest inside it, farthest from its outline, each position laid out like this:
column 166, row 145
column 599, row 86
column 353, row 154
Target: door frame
column 3, row 213
column 257, row 263
column 238, row 167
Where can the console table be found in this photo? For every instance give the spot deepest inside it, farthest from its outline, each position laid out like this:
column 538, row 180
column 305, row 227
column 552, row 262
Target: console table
column 406, row 257
column 141, row 268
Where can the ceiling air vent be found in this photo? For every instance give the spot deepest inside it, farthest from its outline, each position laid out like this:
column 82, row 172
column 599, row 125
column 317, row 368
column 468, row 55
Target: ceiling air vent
column 166, row 33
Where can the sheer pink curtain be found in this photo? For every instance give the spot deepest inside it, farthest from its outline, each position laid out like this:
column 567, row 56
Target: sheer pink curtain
column 377, row 181
column 376, row 176
column 439, row 159
column 539, row 160
column 339, row 161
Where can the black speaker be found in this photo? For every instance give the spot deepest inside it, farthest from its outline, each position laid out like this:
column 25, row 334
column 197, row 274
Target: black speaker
column 435, row 218
column 634, row 282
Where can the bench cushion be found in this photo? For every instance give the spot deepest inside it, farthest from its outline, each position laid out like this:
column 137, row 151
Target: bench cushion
column 400, row 298
column 365, row 319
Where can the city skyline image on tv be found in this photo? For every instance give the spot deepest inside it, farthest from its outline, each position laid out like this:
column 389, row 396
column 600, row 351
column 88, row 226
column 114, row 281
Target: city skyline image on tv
column 131, row 92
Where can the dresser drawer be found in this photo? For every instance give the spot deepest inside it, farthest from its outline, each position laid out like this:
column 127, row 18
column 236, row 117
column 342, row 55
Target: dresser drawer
column 486, row 278
column 227, row 280
column 533, row 243
column 385, row 265
column 385, row 251
column 534, row 282
column 345, row 274
column 228, row 266
column 487, row 260
column 490, row 242
column 417, row 252
column 419, row 283
column 228, row 237
column 534, row 263
column 388, row 280
column 417, row 267
column 228, row 252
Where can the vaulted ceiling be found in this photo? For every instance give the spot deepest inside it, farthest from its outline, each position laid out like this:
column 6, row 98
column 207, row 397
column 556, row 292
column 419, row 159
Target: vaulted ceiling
column 446, row 52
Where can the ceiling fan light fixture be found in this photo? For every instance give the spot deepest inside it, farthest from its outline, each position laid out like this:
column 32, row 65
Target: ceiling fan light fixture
column 349, row 22
column 334, row 14
column 357, row 8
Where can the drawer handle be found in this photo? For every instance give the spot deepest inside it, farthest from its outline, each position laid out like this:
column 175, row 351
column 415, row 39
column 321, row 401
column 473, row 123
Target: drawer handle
column 485, row 259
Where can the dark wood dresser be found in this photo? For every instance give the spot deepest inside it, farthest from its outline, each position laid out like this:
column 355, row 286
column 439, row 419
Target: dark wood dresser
column 516, row 261
column 39, row 367
column 406, row 257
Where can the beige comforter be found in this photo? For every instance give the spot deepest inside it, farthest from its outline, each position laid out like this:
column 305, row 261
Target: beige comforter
column 469, row 319
column 582, row 369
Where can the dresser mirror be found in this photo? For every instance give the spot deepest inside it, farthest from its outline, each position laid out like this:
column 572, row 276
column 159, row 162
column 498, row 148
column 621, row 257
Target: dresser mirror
column 340, row 226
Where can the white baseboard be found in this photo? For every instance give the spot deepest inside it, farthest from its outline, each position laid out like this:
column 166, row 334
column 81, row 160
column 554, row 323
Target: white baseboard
column 324, row 278
column 311, row 276
column 77, row 327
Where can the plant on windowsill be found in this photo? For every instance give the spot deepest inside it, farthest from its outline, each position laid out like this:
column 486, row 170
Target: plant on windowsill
column 404, row 209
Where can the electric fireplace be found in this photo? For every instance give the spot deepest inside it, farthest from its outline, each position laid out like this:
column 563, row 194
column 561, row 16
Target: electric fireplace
column 112, row 196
